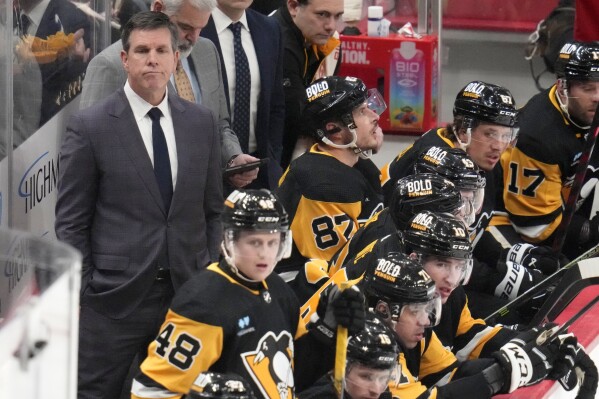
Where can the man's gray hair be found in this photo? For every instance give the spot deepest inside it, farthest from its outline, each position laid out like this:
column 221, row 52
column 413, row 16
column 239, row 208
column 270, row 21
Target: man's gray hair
column 173, row 6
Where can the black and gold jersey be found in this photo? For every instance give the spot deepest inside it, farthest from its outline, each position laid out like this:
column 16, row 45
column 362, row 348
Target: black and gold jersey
column 538, row 173
column 467, row 337
column 422, row 367
column 316, row 272
column 403, row 164
column 327, row 201
column 217, row 323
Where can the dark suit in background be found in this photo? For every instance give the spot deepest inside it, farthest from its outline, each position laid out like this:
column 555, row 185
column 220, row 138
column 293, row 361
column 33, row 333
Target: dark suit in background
column 267, row 40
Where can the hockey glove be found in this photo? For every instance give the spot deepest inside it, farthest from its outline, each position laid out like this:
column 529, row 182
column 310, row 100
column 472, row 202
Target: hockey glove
column 574, row 367
column 588, row 369
column 514, row 279
column 526, row 360
column 532, row 257
column 336, row 307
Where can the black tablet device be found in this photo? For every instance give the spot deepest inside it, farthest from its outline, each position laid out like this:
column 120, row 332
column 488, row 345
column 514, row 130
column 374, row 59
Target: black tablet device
column 233, row 170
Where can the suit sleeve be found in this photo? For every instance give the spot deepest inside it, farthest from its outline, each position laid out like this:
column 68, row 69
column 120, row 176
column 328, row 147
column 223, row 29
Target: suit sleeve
column 103, row 77
column 213, row 199
column 77, row 191
column 228, row 139
column 277, row 101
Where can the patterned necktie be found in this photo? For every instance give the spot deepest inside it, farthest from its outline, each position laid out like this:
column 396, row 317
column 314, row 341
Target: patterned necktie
column 183, row 84
column 241, row 109
column 162, row 163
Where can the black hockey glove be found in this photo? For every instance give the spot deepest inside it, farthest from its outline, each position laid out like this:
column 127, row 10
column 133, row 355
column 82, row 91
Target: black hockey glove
column 574, row 367
column 533, row 257
column 568, row 348
column 526, row 359
column 336, row 307
column 588, row 369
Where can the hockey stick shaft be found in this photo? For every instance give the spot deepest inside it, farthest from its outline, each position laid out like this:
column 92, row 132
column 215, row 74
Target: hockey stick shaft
column 525, row 296
column 340, row 354
column 551, row 335
column 570, row 207
column 564, row 327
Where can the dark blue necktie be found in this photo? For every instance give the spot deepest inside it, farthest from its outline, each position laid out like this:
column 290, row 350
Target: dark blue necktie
column 25, row 22
column 241, row 111
column 162, row 162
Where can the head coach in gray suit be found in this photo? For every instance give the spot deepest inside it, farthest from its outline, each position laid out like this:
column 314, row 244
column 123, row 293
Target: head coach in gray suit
column 139, row 241
column 199, row 59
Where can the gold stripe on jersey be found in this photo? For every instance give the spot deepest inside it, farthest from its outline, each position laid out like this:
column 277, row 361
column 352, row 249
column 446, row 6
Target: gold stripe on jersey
column 309, row 308
column 476, row 344
column 183, row 349
column 283, row 176
column 436, row 358
column 534, row 194
column 320, row 228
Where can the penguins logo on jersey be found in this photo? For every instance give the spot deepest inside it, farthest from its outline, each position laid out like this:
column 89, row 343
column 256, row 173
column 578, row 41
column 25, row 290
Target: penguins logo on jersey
column 270, row 365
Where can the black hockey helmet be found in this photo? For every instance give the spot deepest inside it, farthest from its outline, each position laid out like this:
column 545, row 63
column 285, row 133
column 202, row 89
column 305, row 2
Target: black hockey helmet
column 210, row 385
column 578, row 61
column 419, row 192
column 375, row 346
column 483, row 102
column 440, row 235
column 397, row 281
column 453, row 164
column 254, row 210
column 456, row 166
column 333, row 99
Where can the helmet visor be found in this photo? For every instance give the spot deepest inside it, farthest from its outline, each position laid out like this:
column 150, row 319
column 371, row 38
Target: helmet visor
column 376, row 102
column 490, row 133
column 472, row 203
column 430, row 310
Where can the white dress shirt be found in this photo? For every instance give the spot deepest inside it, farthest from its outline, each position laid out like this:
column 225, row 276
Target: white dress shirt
column 225, row 37
column 35, row 16
column 140, row 109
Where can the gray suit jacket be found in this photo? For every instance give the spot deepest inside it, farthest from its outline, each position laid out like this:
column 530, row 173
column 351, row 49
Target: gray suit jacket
column 109, row 206
column 105, row 75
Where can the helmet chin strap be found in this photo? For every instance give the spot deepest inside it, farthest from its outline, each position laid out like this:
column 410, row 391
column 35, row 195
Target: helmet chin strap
column 232, row 267
column 564, row 107
column 465, row 145
column 364, row 154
